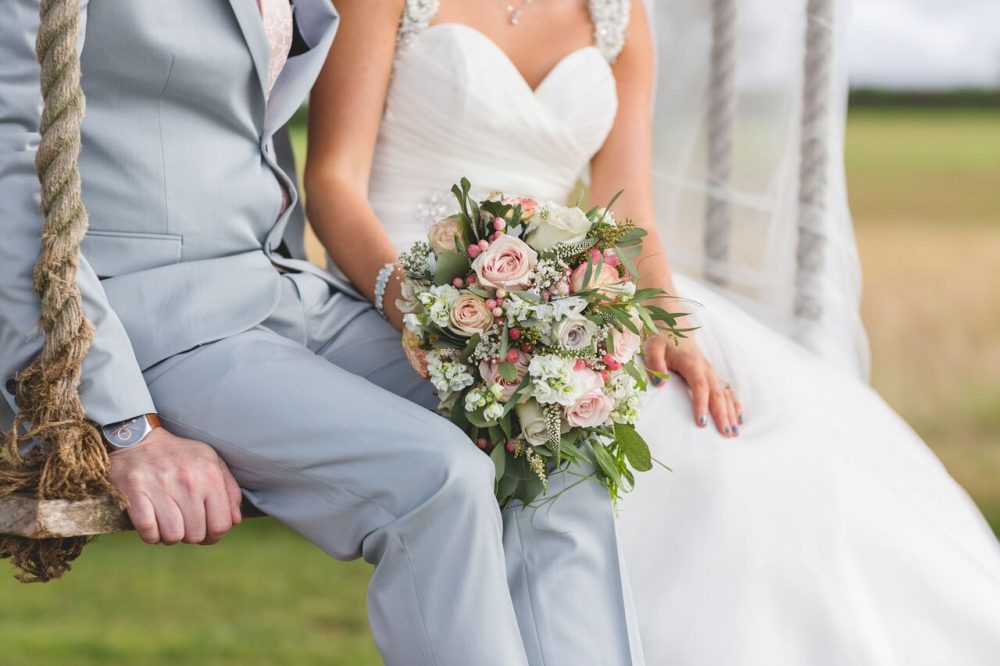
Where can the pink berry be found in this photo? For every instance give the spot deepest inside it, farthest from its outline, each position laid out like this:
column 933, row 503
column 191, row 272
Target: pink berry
column 497, row 312
column 580, row 364
column 527, row 349
column 615, row 365
column 471, row 280
column 501, row 293
column 491, row 303
column 510, row 447
column 596, row 254
column 514, row 334
column 482, row 443
column 512, row 356
column 483, row 244
column 499, row 224
column 458, row 283
column 496, row 235
column 606, row 376
column 473, row 251
column 608, row 359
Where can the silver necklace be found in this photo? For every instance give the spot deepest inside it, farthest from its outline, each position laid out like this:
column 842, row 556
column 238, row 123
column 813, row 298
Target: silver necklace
column 515, row 11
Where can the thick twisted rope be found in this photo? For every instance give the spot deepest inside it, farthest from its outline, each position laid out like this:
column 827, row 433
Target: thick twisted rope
column 70, row 461
column 814, row 160
column 721, row 124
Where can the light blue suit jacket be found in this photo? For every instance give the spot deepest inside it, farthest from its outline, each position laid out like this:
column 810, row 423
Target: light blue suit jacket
column 179, row 177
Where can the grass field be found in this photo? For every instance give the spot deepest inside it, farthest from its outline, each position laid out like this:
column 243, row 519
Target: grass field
column 926, row 195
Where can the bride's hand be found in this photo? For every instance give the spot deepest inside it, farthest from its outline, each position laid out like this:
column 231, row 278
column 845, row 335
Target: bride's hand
column 709, row 394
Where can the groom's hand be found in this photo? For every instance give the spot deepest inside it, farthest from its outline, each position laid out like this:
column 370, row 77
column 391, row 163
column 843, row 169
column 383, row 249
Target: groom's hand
column 178, row 490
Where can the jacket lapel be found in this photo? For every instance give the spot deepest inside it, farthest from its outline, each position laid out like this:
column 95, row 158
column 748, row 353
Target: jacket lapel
column 252, row 28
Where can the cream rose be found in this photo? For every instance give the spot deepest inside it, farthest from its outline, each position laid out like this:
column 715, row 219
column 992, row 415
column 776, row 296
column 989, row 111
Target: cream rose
column 574, row 333
column 592, row 409
column 469, row 315
column 507, row 262
column 490, row 372
column 558, row 224
column 442, row 235
column 532, row 420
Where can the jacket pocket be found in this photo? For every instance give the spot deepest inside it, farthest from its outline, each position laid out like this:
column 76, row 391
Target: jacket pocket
column 112, row 253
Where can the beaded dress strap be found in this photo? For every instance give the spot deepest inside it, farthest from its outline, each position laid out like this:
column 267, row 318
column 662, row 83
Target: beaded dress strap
column 610, row 18
column 417, row 15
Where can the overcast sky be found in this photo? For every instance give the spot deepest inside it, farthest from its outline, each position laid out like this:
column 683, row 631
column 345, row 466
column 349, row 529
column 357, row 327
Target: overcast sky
column 925, row 43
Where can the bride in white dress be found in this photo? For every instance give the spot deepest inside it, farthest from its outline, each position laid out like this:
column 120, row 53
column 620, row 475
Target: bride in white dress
column 804, row 523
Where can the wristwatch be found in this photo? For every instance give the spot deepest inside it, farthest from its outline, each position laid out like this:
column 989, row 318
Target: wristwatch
column 128, row 433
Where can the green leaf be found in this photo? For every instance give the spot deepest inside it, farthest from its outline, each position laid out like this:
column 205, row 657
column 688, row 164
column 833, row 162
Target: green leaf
column 604, row 461
column 477, row 418
column 470, row 348
column 450, row 265
column 499, row 457
column 627, row 257
column 635, row 447
column 508, row 371
column 529, row 489
column 610, row 204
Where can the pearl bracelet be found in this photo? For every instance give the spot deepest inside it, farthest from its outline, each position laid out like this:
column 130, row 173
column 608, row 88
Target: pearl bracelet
column 381, row 281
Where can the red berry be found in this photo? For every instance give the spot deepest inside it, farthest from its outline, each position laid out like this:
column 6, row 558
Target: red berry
column 527, row 349
column 608, row 359
column 512, row 356
column 580, row 364
column 606, row 376
column 482, row 443
column 510, row 447
column 514, row 333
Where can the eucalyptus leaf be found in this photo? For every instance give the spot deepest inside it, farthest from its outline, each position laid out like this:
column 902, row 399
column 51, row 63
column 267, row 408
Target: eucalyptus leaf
column 450, row 265
column 499, row 457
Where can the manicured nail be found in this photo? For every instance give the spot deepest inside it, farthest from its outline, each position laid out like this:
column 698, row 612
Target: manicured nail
column 657, row 381
column 741, row 419
column 727, row 430
column 736, row 431
column 703, row 421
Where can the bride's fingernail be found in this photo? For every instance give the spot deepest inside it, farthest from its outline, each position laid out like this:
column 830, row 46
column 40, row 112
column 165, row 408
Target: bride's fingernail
column 657, row 381
column 736, row 431
column 727, row 430
column 741, row 419
column 703, row 420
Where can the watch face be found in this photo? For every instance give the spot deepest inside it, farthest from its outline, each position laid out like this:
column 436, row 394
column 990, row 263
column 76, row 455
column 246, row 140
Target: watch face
column 126, row 433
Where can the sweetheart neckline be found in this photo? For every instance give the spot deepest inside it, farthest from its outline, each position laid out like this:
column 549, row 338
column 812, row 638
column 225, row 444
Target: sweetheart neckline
column 510, row 62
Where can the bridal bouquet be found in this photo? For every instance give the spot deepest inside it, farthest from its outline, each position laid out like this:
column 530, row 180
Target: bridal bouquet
column 527, row 320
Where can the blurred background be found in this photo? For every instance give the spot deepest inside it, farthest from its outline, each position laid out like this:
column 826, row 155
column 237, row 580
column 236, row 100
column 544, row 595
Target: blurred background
column 923, row 168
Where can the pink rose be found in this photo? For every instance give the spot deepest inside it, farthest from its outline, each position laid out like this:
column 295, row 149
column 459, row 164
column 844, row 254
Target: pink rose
column 414, row 354
column 604, row 279
column 506, row 263
column 490, row 372
column 469, row 315
column 528, row 206
column 590, row 410
column 626, row 342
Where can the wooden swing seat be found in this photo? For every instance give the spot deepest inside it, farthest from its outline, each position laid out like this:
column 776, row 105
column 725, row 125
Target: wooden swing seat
column 24, row 516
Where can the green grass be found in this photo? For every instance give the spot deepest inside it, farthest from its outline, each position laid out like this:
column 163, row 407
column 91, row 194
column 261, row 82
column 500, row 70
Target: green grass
column 925, row 197
column 264, row 596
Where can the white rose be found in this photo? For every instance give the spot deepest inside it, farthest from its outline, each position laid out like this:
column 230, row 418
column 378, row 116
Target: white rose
column 574, row 333
column 532, row 420
column 444, row 233
column 556, row 224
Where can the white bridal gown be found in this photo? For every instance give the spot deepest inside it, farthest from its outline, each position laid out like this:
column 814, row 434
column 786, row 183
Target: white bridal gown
column 827, row 534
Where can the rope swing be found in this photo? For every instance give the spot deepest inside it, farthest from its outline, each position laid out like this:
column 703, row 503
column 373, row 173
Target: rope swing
column 70, row 461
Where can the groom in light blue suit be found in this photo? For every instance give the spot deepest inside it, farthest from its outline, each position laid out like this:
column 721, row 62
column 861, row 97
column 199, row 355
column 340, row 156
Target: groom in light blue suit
column 206, row 324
